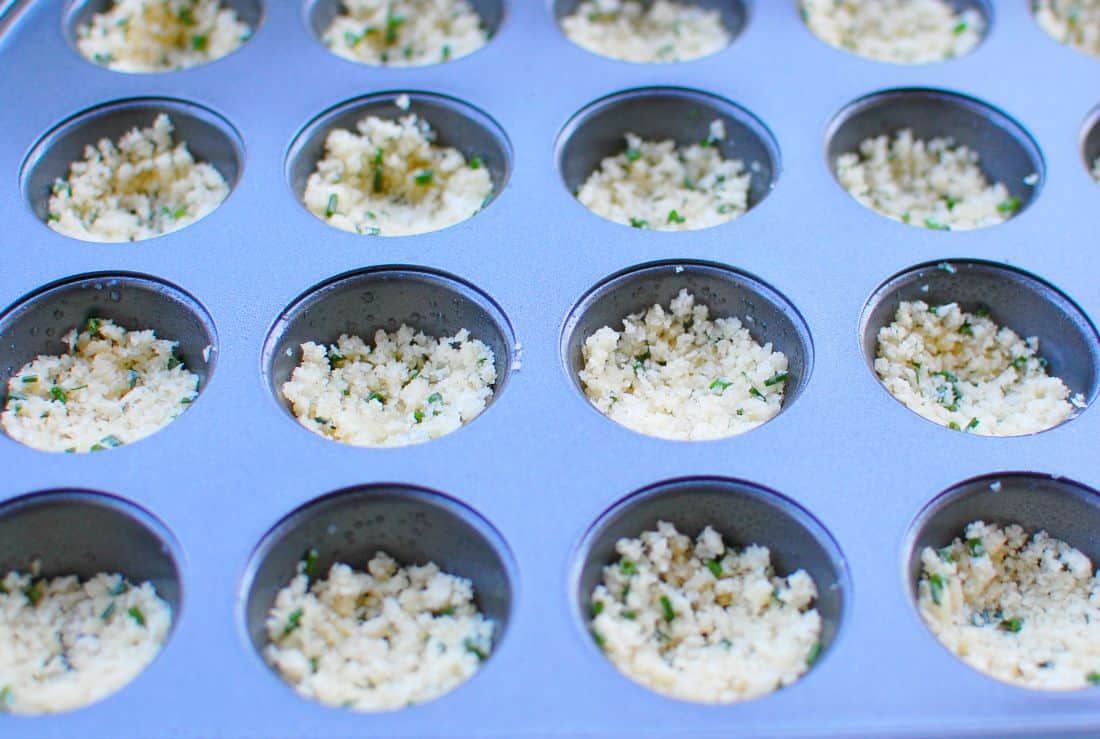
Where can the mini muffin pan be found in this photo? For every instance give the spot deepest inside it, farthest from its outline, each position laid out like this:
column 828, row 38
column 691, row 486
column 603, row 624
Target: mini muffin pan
column 528, row 499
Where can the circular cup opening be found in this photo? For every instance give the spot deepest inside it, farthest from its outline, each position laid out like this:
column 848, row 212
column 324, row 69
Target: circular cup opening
column 744, row 514
column 1015, row 299
column 1008, row 154
column 412, row 525
column 984, row 8
column 361, row 303
column 37, row 323
column 80, row 12
column 1090, row 144
column 320, row 14
column 456, row 124
column 1065, row 509
column 661, row 113
column 72, row 532
column 735, row 13
column 209, row 137
column 768, row 315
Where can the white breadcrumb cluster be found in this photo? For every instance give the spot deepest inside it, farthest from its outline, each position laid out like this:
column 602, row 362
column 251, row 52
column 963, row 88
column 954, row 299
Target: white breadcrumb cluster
column 647, row 32
column 1075, row 23
column 702, row 621
column 898, row 31
column 113, row 387
column 161, row 35
column 965, row 372
column 143, row 187
column 658, row 185
column 405, row 33
column 678, row 374
column 407, row 388
column 933, row 184
column 379, row 639
column 1023, row 609
column 68, row 643
column 391, row 179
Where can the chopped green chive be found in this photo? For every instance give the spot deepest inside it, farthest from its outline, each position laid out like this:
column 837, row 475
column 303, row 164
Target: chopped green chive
column 446, row 54
column 393, row 22
column 674, row 217
column 666, row 608
column 108, row 611
column 599, row 638
column 310, row 560
column 448, row 611
column 720, row 384
column 756, row 393
column 815, row 652
column 976, row 547
column 776, row 379
column 715, row 567
column 424, row 177
column 376, row 396
column 330, row 208
column 950, row 202
column 966, row 329
column 173, row 362
column 186, row 18
column 947, row 555
column 935, row 225
column 476, row 162
column 92, row 326
column 935, row 585
column 1093, row 678
column 58, row 393
column 198, row 43
column 973, row 424
column 630, row 615
column 597, row 609
column 435, row 398
column 28, row 379
column 34, row 592
column 1019, row 362
column 982, row 311
column 120, row 588
column 633, row 154
column 293, row 621
column 1013, row 625
column 379, row 179
column 960, row 28
column 111, row 442
column 639, row 223
column 475, row 650
column 419, row 416
column 1011, row 205
column 628, row 567
column 954, row 426
column 133, row 379
column 135, row 613
column 5, row 697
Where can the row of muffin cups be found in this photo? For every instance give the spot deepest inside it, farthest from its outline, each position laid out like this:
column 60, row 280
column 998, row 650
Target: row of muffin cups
column 81, row 532
column 362, row 302
column 318, row 15
column 1008, row 152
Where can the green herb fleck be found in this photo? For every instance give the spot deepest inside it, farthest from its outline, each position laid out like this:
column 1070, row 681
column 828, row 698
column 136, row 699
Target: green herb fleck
column 58, row 393
column 34, row 592
column 376, row 396
column 947, row 555
column 720, row 384
column 966, row 329
column 715, row 567
column 108, row 611
column 311, row 557
column 330, row 208
column 198, row 43
column 173, row 362
column 435, row 398
column 599, row 639
column 633, row 154
column 776, row 379
column 674, row 217
column 136, row 614
column 973, row 424
column 92, row 326
column 475, row 650
column 1013, row 625
column 393, row 22
column 185, row 16
column 756, row 393
column 446, row 54
column 976, row 547
column 936, row 225
column 960, row 28
column 639, row 223
column 28, row 379
column 815, row 652
column 419, row 416
column 379, row 178
column 476, row 162
column 424, row 177
column 954, row 426
column 1093, row 678
column 982, row 311
column 666, row 609
column 1011, row 205
column 630, row 615
column 935, row 585
column 597, row 609
column 293, row 621
column 628, row 567
column 111, row 442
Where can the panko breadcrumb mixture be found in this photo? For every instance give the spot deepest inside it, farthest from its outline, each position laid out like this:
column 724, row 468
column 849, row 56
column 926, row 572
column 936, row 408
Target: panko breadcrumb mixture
column 934, row 184
column 406, row 388
column 391, row 179
column 702, row 621
column 68, row 643
column 678, row 374
column 144, row 186
column 1075, row 23
column 405, row 33
column 965, row 372
column 378, row 639
column 665, row 187
column 635, row 31
column 1023, row 609
column 899, row 31
column 112, row 387
column 161, row 35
